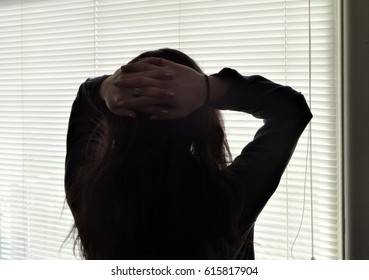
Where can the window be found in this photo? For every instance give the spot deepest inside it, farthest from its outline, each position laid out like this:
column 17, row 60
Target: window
column 48, row 48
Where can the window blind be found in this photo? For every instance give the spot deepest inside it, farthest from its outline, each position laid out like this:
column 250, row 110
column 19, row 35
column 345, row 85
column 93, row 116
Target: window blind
column 48, row 48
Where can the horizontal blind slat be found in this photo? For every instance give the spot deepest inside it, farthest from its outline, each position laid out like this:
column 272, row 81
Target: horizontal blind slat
column 48, row 48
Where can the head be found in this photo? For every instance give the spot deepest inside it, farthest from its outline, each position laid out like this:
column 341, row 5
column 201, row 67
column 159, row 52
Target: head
column 151, row 189
column 191, row 134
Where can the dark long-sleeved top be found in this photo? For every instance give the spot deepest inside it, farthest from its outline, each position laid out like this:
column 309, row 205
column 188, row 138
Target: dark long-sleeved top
column 259, row 167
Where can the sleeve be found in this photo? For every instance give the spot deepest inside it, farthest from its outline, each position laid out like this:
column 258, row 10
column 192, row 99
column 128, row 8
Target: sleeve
column 86, row 113
column 259, row 167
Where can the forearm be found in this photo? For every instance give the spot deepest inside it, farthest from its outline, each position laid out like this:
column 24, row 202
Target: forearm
column 260, row 97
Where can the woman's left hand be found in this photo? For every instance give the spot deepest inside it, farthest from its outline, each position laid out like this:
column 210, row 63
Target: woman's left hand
column 164, row 89
column 122, row 101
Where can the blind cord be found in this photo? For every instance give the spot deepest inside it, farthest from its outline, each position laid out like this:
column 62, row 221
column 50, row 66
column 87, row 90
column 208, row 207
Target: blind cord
column 309, row 157
column 311, row 145
column 285, row 82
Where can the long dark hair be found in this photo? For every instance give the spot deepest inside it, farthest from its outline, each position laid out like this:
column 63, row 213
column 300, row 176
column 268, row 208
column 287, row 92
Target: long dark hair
column 157, row 189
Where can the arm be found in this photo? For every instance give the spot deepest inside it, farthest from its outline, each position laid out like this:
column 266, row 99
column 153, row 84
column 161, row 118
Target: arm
column 262, row 162
column 285, row 113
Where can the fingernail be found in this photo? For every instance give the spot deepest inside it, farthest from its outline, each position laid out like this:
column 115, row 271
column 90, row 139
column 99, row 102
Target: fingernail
column 120, row 103
column 164, row 112
column 170, row 93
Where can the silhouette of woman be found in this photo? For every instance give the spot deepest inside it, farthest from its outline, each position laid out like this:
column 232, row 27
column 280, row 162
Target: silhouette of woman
column 148, row 168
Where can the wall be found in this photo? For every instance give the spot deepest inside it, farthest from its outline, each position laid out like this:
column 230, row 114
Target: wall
column 356, row 127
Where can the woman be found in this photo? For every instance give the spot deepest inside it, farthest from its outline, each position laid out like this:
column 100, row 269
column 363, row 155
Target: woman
column 147, row 165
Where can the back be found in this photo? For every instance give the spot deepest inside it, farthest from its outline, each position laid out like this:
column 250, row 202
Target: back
column 153, row 190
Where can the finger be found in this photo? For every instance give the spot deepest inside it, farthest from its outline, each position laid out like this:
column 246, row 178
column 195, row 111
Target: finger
column 122, row 111
column 158, row 61
column 139, row 67
column 148, row 63
column 160, row 74
column 117, row 107
column 152, row 92
column 139, row 81
column 154, row 110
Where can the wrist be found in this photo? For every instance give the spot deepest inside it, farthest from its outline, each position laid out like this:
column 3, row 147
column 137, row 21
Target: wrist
column 103, row 90
column 218, row 89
